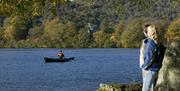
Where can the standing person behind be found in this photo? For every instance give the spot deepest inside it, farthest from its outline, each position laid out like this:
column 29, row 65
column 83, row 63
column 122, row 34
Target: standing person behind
column 152, row 59
column 61, row 54
column 142, row 48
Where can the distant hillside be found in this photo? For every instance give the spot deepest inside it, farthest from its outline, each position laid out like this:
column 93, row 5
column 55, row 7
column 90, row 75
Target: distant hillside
column 81, row 23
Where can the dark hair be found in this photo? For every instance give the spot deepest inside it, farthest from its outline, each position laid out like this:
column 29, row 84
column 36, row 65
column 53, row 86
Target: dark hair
column 145, row 27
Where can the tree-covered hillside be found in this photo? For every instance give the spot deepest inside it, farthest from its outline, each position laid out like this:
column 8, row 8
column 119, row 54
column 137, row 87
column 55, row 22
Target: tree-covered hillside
column 82, row 23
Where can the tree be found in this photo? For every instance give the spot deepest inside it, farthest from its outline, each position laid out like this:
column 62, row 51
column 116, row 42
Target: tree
column 116, row 36
column 173, row 31
column 83, row 39
column 26, row 8
column 100, row 38
column 133, row 33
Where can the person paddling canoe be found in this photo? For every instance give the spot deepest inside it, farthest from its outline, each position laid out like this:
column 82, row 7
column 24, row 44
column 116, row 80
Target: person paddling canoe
column 60, row 54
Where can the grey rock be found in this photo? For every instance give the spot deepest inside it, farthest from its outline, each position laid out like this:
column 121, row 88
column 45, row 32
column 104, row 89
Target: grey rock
column 169, row 75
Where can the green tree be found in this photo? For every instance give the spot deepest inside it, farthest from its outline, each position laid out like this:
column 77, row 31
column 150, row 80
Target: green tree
column 100, row 38
column 173, row 31
column 116, row 36
column 8, row 32
column 83, row 38
column 133, row 33
column 35, row 32
column 57, row 34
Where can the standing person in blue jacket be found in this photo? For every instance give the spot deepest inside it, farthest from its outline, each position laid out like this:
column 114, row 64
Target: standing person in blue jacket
column 152, row 59
column 142, row 48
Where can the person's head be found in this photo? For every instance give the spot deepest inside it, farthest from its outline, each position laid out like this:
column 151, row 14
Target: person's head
column 152, row 33
column 145, row 29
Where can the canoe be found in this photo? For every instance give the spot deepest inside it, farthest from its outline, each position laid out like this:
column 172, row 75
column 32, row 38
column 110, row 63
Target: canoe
column 47, row 60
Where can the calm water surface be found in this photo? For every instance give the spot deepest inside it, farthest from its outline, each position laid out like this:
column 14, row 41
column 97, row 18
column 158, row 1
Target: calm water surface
column 25, row 70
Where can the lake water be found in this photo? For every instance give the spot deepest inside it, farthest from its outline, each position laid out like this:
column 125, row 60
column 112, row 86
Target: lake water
column 25, row 70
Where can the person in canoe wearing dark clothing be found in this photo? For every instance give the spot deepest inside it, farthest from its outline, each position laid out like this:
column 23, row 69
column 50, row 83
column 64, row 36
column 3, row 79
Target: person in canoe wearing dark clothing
column 61, row 54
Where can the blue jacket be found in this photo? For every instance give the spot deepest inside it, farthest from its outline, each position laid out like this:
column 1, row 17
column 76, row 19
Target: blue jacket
column 153, row 56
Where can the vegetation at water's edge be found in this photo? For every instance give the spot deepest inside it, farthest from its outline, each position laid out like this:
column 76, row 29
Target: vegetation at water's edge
column 65, row 24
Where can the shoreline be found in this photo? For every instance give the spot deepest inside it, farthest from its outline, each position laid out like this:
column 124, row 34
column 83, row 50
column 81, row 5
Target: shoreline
column 120, row 87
